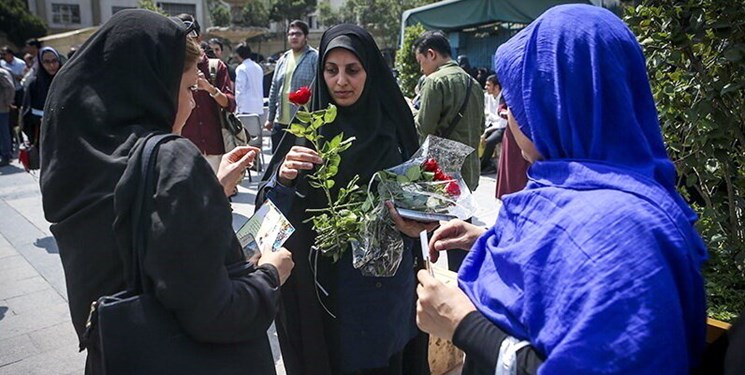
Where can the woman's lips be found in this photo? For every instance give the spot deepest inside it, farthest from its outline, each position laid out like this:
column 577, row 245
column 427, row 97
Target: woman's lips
column 342, row 94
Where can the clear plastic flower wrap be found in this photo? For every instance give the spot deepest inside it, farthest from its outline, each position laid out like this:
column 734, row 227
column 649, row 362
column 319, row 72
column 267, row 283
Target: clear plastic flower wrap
column 427, row 187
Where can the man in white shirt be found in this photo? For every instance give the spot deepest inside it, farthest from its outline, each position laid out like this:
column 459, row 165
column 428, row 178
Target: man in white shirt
column 496, row 123
column 249, row 78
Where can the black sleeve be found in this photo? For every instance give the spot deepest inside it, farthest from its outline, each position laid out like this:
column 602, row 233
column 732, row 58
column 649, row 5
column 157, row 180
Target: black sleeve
column 480, row 339
column 191, row 243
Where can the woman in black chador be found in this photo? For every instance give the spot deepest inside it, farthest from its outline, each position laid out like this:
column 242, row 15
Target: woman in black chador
column 132, row 78
column 349, row 324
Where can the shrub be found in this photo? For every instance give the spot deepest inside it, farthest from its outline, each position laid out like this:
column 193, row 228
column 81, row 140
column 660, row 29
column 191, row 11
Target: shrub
column 695, row 53
column 408, row 68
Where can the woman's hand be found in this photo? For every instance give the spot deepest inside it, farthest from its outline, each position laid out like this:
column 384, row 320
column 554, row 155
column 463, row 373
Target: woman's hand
column 232, row 166
column 299, row 158
column 440, row 308
column 410, row 228
column 455, row 234
column 281, row 260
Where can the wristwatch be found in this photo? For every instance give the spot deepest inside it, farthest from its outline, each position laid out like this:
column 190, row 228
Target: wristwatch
column 216, row 93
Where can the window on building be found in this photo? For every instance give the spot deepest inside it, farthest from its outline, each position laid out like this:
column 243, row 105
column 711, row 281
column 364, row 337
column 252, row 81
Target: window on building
column 174, row 9
column 116, row 9
column 66, row 14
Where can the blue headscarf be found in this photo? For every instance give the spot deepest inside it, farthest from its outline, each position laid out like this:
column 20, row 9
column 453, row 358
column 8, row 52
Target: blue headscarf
column 596, row 262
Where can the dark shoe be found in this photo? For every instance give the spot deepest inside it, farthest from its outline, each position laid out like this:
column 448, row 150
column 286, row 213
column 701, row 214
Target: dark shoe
column 4, row 162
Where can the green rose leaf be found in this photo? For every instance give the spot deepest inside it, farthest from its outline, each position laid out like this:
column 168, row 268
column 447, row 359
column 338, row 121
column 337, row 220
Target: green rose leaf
column 329, row 184
column 413, row 173
column 303, row 116
column 297, row 130
column 330, row 114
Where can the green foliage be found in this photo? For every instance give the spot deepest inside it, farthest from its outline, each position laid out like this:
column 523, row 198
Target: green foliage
column 220, row 16
column 255, row 13
column 696, row 62
column 18, row 23
column 150, row 5
column 381, row 18
column 408, row 68
column 291, row 9
column 339, row 224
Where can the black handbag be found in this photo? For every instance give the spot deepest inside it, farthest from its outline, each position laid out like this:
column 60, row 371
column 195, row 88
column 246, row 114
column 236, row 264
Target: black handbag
column 228, row 120
column 134, row 333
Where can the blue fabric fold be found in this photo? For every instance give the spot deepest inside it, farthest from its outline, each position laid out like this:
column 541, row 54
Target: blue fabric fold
column 596, row 262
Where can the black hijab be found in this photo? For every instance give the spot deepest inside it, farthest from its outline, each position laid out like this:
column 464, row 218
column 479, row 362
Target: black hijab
column 122, row 84
column 380, row 120
column 38, row 87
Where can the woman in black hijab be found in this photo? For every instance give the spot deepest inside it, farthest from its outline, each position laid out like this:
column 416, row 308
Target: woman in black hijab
column 35, row 92
column 349, row 324
column 132, row 78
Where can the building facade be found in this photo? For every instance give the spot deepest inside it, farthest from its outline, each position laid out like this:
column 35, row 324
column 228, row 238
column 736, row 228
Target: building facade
column 66, row 15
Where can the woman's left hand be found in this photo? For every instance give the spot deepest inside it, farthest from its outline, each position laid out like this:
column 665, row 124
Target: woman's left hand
column 410, row 228
column 232, row 166
column 440, row 308
column 204, row 84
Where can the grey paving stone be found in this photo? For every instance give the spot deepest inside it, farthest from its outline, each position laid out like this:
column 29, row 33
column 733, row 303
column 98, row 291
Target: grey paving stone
column 34, row 320
column 59, row 361
column 16, row 348
column 57, row 336
column 14, row 288
column 15, row 267
column 34, row 300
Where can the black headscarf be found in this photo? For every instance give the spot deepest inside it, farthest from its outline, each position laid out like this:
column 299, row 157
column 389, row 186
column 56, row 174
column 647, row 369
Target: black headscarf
column 123, row 83
column 380, row 120
column 39, row 83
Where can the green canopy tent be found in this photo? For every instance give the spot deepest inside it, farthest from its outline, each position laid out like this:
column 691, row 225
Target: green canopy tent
column 477, row 27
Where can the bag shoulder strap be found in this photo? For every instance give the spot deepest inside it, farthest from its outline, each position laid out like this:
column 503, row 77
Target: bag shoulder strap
column 140, row 212
column 462, row 109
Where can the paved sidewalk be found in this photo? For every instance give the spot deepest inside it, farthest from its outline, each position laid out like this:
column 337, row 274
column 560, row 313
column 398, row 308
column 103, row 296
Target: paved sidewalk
column 36, row 336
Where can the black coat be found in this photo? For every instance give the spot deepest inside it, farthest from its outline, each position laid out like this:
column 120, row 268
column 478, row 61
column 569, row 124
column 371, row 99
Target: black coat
column 122, row 85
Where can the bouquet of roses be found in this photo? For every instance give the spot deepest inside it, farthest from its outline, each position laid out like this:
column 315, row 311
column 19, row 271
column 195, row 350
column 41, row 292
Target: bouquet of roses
column 427, row 187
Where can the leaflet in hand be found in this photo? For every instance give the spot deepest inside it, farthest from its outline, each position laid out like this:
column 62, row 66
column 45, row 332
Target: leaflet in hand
column 266, row 230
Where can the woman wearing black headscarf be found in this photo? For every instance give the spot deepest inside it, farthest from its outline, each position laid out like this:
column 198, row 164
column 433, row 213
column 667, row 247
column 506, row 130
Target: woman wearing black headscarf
column 349, row 323
column 35, row 91
column 132, row 78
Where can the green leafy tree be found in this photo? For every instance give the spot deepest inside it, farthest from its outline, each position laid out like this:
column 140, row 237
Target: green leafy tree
column 255, row 13
column 406, row 65
column 219, row 13
column 150, row 5
column 695, row 53
column 18, row 23
column 381, row 17
column 291, row 9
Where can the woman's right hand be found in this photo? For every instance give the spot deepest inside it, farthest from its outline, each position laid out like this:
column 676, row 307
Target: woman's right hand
column 281, row 260
column 299, row 158
column 455, row 234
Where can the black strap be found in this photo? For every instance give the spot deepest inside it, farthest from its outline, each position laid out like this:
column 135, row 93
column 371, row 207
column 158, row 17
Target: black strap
column 140, row 210
column 459, row 115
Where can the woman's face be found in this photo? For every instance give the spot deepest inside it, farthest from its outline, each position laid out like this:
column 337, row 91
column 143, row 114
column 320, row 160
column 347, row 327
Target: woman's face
column 185, row 99
column 526, row 145
column 344, row 75
column 50, row 62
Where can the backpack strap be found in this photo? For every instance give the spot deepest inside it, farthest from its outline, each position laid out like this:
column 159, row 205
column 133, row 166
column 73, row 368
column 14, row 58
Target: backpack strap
column 462, row 109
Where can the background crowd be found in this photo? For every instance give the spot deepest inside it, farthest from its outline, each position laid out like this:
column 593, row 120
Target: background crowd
column 566, row 280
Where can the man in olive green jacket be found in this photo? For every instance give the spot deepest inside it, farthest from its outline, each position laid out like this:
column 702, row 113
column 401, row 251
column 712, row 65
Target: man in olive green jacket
column 442, row 96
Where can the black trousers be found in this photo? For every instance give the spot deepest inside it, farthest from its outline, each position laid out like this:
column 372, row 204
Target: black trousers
column 492, row 140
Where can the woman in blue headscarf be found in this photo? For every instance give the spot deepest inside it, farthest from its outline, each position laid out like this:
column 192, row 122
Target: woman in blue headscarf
column 594, row 267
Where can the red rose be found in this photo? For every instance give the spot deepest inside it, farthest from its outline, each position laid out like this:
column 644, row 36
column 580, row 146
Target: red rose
column 441, row 176
column 300, row 97
column 430, row 165
column 452, row 189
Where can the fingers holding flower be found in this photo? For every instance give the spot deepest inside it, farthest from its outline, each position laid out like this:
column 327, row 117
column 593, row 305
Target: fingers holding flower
column 297, row 159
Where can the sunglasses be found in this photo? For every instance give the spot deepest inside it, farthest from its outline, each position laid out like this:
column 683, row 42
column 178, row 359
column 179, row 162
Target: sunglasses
column 49, row 62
